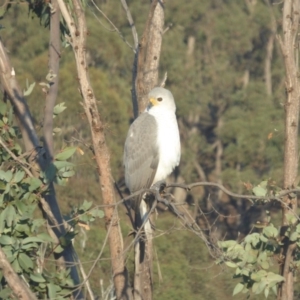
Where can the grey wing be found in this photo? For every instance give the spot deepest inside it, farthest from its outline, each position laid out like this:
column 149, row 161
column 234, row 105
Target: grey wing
column 141, row 153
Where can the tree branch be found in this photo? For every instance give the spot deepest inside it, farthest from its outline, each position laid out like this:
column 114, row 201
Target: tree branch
column 78, row 33
column 17, row 285
column 36, row 158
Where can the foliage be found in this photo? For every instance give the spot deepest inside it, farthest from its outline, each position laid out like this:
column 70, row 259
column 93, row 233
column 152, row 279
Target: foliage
column 23, row 238
column 258, row 255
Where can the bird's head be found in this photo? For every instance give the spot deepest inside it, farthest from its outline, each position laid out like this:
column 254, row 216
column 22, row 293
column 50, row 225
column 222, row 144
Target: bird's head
column 160, row 98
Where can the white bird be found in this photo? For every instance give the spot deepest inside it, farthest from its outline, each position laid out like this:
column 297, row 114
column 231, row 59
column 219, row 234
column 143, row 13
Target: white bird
column 152, row 147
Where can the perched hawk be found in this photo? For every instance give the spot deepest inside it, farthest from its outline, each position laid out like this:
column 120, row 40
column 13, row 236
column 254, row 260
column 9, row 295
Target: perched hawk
column 152, row 147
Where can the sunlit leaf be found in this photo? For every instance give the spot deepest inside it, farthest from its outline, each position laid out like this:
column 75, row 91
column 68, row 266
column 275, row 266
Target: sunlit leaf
column 65, row 153
column 238, row 288
column 25, row 262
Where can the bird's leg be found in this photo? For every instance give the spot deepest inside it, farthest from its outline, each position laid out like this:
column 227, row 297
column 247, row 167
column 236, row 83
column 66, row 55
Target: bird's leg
column 159, row 186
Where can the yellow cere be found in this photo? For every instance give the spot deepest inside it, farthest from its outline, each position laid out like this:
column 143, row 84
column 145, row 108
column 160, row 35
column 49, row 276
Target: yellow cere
column 153, row 101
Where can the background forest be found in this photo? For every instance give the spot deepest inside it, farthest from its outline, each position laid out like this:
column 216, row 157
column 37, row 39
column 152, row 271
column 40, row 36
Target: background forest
column 226, row 73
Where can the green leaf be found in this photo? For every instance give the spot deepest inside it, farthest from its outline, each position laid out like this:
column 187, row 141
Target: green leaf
column 275, row 277
column 270, row 231
column 291, row 218
column 226, row 244
column 6, row 240
column 62, row 164
column 6, row 293
column 274, row 289
column 59, row 108
column 230, row 264
column 257, row 276
column 32, row 239
column 258, row 287
column 6, row 175
column 266, row 292
column 259, row 191
column 29, row 89
column 58, row 249
column 10, row 215
column 294, row 236
column 37, row 277
column 16, row 266
column 68, row 174
column 34, row 184
column 52, row 290
column 238, row 288
column 25, row 262
column 86, row 205
column 265, row 265
column 45, row 237
column 19, row 176
column 65, row 153
column 97, row 213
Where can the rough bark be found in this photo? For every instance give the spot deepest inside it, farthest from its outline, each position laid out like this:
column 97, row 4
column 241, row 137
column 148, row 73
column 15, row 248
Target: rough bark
column 17, row 285
column 78, row 33
column 37, row 158
column 149, row 53
column 289, row 46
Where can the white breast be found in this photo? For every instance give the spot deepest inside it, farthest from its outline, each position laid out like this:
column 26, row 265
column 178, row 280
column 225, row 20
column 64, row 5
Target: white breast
column 168, row 142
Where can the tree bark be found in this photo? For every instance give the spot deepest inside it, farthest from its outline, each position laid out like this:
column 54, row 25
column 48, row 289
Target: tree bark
column 78, row 33
column 289, row 47
column 149, row 53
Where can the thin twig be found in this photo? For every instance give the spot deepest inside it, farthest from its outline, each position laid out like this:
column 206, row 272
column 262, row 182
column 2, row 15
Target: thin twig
column 113, row 25
column 131, row 23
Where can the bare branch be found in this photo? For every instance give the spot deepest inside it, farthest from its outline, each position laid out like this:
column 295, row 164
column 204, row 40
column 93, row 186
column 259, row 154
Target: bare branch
column 54, row 57
column 113, row 26
column 131, row 24
column 78, row 33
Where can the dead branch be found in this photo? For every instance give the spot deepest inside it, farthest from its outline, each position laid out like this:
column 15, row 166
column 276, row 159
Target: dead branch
column 54, row 57
column 131, row 24
column 78, row 32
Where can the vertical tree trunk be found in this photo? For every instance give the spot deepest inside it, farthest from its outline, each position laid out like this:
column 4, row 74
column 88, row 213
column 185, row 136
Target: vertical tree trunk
column 78, row 33
column 289, row 46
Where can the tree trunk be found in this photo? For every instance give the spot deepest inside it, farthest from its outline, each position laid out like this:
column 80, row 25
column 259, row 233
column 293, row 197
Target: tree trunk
column 78, row 32
column 289, row 48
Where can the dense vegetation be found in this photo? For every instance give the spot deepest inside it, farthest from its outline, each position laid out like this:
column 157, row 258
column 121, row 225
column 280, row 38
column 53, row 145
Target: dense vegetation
column 217, row 55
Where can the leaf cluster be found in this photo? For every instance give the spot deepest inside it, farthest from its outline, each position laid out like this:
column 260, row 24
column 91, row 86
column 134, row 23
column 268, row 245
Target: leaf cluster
column 23, row 239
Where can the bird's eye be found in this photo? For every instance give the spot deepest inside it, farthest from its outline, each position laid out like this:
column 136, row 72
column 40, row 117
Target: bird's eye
column 159, row 99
